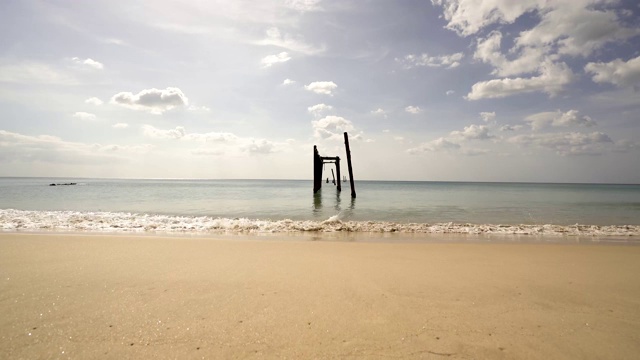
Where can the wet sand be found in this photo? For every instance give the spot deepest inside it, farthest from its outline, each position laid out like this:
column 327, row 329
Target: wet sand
column 94, row 296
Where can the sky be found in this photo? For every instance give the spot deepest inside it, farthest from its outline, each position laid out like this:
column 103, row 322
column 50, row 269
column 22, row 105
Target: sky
column 440, row 90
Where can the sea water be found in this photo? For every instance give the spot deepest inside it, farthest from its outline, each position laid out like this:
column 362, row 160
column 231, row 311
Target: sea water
column 246, row 206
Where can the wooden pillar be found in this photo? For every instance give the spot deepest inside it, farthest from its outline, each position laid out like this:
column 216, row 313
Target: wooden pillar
column 338, row 174
column 346, row 145
column 317, row 170
column 333, row 175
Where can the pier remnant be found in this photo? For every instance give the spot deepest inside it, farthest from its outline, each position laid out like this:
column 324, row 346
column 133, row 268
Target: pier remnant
column 318, row 165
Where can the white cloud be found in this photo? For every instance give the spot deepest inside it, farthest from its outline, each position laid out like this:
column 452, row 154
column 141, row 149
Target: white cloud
column 447, row 61
column 558, row 119
column 552, row 80
column 88, row 63
column 318, row 109
column 93, row 101
column 331, row 127
column 296, row 44
column 379, row 112
column 322, row 87
column 84, row 116
column 288, row 82
column 450, row 92
column 616, row 72
column 155, row 133
column 270, row 60
column 29, row 72
column 303, row 5
column 573, row 143
column 578, row 27
column 439, row 144
column 510, row 127
column 466, row 17
column 51, row 149
column 199, row 109
column 120, row 125
column 153, row 100
column 261, row 146
column 413, row 109
column 488, row 50
column 487, row 116
column 473, row 132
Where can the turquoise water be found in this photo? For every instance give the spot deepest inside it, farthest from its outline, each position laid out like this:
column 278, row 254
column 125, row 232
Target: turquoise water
column 377, row 201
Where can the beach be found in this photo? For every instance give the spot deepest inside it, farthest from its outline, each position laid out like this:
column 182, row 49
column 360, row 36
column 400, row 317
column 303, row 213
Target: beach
column 83, row 296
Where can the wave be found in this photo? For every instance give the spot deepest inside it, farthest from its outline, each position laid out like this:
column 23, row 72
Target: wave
column 117, row 222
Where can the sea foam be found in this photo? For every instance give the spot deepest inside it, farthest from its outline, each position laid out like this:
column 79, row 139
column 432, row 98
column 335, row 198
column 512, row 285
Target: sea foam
column 117, row 222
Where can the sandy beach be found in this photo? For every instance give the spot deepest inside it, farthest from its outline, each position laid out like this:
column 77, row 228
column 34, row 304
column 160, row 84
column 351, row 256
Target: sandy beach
column 119, row 297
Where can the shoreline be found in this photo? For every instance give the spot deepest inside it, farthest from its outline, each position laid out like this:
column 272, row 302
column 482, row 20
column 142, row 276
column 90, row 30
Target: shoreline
column 356, row 237
column 84, row 296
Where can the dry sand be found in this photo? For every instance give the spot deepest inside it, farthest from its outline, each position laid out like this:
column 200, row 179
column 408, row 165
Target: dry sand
column 118, row 297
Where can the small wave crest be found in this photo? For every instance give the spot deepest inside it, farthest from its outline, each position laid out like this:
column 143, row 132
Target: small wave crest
column 21, row 220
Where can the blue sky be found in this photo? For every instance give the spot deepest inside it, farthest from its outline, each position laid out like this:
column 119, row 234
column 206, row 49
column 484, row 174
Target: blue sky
column 459, row 90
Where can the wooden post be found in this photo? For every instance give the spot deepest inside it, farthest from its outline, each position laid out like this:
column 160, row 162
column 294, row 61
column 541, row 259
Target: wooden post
column 317, row 170
column 333, row 175
column 346, row 145
column 338, row 171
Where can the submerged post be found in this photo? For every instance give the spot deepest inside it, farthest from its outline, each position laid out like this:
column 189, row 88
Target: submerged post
column 346, row 145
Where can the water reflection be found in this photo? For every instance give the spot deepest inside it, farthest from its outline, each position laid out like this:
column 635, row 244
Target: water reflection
column 331, row 205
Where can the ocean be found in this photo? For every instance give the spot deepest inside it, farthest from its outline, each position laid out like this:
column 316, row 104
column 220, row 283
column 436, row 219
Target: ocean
column 275, row 206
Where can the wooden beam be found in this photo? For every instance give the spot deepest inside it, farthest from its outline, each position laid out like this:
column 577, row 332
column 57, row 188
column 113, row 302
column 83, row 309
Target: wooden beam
column 346, row 145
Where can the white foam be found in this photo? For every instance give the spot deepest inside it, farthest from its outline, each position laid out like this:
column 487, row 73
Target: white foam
column 19, row 220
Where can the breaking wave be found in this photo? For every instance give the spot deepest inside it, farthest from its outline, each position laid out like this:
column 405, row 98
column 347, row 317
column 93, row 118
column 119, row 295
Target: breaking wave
column 116, row 222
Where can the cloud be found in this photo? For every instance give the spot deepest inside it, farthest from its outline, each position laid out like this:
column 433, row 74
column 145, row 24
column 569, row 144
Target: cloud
column 510, row 127
column 296, row 44
column 270, row 60
column 565, row 144
column 558, row 119
column 450, row 92
column 84, row 116
column 468, row 17
column 303, row 5
column 331, row 127
column 446, row 61
column 93, row 101
column 120, row 126
column 552, row 80
column 473, row 132
column 153, row 100
column 318, row 109
column 488, row 50
column 155, row 133
column 261, row 146
column 439, row 144
column 15, row 147
column 379, row 112
column 88, row 63
column 288, row 82
column 617, row 72
column 215, row 143
column 199, row 109
column 487, row 116
column 413, row 109
column 29, row 72
column 533, row 59
column 322, row 87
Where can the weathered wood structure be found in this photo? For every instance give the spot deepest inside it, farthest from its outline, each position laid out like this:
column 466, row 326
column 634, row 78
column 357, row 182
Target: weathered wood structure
column 318, row 166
